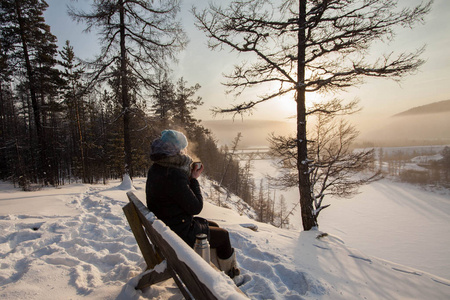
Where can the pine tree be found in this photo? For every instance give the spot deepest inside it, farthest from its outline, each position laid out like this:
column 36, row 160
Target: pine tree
column 32, row 49
column 163, row 104
column 284, row 221
column 74, row 99
column 185, row 104
column 140, row 32
column 446, row 162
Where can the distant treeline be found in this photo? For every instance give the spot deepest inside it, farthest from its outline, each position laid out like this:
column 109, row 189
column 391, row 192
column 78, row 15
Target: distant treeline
column 401, row 143
column 415, row 165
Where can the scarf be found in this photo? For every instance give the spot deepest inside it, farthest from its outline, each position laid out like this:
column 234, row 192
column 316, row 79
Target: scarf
column 179, row 161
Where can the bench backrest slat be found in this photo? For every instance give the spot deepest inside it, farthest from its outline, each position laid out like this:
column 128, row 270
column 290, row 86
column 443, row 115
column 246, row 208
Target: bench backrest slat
column 150, row 256
column 167, row 245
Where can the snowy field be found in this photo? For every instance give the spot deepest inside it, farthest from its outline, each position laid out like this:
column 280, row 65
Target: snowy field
column 399, row 222
column 73, row 242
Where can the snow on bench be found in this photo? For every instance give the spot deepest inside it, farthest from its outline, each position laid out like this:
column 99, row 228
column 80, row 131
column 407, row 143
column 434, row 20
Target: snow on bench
column 168, row 256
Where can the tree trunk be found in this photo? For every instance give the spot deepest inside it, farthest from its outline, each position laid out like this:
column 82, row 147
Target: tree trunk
column 302, row 152
column 125, row 97
column 80, row 139
column 32, row 88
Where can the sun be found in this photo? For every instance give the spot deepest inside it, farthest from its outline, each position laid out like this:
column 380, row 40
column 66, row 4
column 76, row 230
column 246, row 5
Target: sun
column 287, row 104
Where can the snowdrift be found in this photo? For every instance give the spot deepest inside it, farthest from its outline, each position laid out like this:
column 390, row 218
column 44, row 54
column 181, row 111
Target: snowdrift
column 74, row 242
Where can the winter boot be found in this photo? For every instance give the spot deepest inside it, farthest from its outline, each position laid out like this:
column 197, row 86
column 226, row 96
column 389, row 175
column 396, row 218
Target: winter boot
column 229, row 265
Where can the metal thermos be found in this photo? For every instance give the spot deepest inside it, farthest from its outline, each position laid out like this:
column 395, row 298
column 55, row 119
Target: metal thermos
column 201, row 246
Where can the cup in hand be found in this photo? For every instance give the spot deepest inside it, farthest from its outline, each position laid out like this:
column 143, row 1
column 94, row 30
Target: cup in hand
column 197, row 165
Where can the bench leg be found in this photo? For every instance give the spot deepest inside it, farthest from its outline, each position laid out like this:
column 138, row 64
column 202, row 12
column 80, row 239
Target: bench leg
column 153, row 277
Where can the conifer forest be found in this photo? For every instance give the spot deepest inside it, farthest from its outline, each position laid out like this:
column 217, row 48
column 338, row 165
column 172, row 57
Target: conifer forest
column 65, row 120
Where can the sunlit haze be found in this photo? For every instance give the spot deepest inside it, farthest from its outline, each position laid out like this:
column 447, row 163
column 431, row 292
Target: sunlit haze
column 379, row 98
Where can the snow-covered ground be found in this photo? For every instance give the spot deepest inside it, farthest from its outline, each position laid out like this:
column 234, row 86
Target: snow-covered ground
column 73, row 242
column 399, row 222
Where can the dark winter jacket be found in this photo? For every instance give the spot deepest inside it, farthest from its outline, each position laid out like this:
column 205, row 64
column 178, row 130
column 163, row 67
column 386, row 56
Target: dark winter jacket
column 175, row 199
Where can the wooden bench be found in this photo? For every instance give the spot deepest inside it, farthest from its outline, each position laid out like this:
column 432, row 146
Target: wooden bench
column 195, row 278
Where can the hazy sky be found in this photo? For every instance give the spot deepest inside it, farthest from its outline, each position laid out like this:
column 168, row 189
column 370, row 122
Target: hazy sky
column 379, row 98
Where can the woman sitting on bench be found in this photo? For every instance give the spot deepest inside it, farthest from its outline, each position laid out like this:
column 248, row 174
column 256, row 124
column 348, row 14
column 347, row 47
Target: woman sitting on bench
column 174, row 196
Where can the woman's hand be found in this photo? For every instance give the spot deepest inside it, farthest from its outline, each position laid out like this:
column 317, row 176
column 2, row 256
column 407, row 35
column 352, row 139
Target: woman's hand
column 196, row 171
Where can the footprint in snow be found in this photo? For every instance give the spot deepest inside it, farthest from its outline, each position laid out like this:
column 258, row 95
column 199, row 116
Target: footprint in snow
column 406, row 271
column 361, row 258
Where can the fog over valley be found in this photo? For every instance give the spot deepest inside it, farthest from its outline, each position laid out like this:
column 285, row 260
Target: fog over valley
column 423, row 125
column 254, row 132
column 411, row 130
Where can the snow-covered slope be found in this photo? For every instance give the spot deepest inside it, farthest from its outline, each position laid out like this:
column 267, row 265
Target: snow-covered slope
column 74, row 243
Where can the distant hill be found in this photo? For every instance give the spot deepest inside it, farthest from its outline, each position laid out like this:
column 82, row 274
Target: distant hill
column 422, row 125
column 433, row 108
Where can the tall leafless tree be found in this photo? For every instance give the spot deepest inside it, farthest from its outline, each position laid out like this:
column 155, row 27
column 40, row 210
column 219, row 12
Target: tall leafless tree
column 308, row 46
column 335, row 168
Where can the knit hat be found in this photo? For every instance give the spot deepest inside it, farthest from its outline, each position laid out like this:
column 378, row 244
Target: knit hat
column 177, row 138
column 170, row 143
